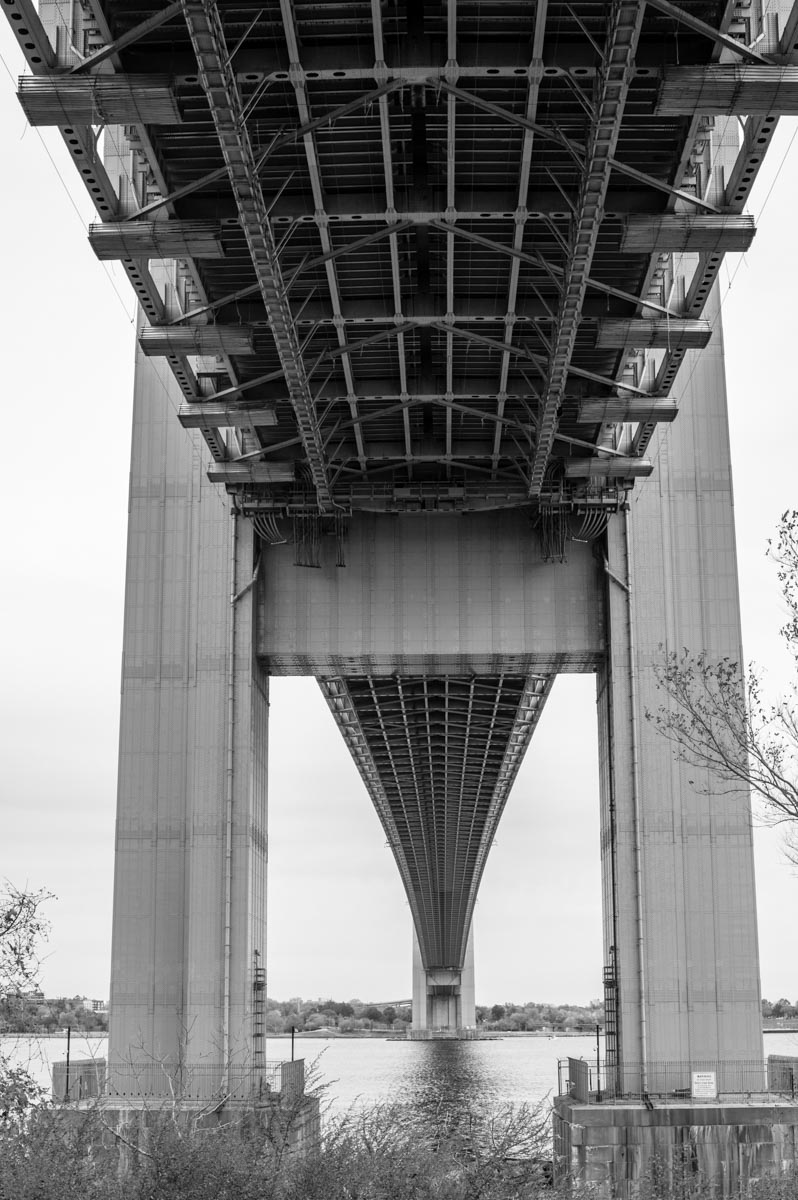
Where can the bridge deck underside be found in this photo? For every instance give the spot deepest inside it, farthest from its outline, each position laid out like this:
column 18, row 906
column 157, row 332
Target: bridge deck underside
column 424, row 276
column 439, row 756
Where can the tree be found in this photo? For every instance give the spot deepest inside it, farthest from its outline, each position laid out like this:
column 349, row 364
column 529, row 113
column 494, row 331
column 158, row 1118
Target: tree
column 718, row 719
column 22, row 927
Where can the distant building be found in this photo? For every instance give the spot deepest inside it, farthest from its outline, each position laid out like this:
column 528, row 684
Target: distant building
column 96, row 1006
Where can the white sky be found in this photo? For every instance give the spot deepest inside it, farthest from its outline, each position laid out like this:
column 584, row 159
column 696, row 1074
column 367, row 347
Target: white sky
column 339, row 922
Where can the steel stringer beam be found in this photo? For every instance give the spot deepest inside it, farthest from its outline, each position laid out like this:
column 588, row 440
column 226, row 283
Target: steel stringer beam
column 439, row 755
column 519, row 225
column 219, row 83
column 322, row 219
column 624, row 32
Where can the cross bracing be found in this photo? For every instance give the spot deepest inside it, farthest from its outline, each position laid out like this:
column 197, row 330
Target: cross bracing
column 393, row 201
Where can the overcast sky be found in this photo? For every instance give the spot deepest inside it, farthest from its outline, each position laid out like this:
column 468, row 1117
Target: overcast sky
column 339, row 923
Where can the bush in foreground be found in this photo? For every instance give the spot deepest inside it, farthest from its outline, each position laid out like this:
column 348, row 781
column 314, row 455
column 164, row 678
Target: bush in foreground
column 436, row 1152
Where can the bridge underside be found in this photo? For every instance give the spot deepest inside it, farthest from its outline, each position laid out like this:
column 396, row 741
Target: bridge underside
column 419, row 257
column 438, row 755
column 419, row 280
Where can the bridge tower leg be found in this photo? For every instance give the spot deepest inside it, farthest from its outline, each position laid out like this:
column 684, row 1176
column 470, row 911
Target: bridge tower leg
column 680, row 908
column 443, row 1001
column 682, row 964
column 189, row 899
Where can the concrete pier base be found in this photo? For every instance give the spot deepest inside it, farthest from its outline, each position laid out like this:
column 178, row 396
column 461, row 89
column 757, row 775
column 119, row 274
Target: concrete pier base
column 728, row 1144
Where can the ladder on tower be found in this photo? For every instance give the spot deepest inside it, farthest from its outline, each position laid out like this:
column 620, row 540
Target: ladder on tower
column 258, row 1014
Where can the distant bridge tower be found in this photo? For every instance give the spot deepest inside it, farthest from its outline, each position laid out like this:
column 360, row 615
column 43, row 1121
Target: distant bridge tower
column 443, row 1000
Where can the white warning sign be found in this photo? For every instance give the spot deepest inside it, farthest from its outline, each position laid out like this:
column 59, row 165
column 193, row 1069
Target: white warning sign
column 705, row 1085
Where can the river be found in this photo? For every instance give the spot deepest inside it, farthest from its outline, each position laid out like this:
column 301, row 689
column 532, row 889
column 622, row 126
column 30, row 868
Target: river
column 369, row 1071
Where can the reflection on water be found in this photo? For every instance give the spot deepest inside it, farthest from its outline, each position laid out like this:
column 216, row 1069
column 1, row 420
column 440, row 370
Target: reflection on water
column 433, row 1075
column 464, row 1076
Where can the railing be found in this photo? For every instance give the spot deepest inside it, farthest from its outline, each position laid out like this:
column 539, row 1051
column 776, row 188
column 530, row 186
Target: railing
column 677, row 1082
column 166, row 1081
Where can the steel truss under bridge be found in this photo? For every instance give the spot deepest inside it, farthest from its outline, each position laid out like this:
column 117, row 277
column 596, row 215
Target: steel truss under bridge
column 423, row 253
column 439, row 756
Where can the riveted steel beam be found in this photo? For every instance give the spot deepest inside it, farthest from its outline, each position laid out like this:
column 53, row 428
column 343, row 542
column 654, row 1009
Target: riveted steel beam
column 624, row 32
column 218, row 81
column 519, row 226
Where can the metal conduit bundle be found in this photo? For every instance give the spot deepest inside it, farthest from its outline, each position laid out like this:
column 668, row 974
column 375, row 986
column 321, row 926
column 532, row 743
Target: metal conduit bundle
column 98, row 100
column 268, row 530
column 156, row 239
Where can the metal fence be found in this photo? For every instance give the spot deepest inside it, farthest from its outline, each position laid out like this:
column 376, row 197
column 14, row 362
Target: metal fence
column 677, row 1082
column 164, row 1081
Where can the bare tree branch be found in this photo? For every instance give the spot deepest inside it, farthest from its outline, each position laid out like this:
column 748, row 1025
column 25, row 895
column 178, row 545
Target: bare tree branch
column 717, row 719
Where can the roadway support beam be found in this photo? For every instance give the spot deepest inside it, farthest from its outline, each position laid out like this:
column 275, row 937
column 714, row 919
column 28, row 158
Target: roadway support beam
column 616, row 409
column 98, row 100
column 157, row 340
column 189, row 893
column 675, row 333
column 729, row 89
column 221, row 89
column 225, row 416
column 687, row 233
column 616, row 75
column 156, row 239
column 617, row 467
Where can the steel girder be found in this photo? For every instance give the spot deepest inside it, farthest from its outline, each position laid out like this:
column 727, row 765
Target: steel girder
column 453, row 178
column 220, row 86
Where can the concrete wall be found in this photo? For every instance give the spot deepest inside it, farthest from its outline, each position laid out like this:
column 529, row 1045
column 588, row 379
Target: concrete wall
column 678, row 871
column 615, row 1148
column 189, row 898
column 439, row 594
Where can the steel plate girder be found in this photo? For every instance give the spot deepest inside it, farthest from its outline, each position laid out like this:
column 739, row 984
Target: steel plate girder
column 619, row 53
column 218, row 81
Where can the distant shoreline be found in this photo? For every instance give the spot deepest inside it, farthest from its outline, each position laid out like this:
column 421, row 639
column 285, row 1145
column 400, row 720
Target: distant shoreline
column 361, row 1034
